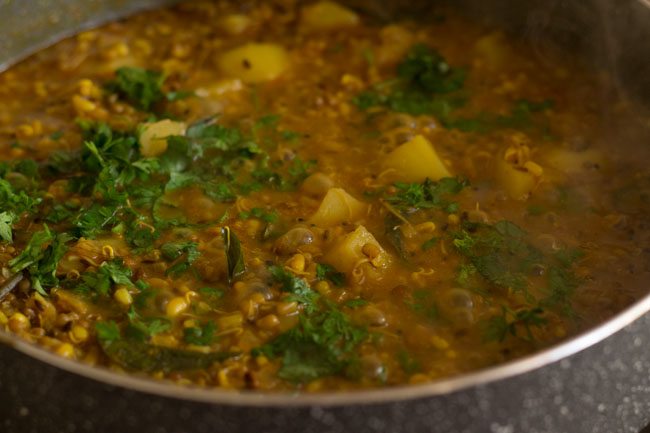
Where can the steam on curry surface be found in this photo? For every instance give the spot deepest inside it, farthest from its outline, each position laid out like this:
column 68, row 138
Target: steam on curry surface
column 284, row 196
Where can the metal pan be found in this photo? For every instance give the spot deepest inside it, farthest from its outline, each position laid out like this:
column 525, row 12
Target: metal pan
column 598, row 381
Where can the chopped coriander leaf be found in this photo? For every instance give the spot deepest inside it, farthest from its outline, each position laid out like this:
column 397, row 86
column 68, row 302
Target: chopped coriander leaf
column 143, row 329
column 328, row 272
column 27, row 167
column 59, row 213
column 427, row 71
column 206, row 134
column 95, row 219
column 220, row 192
column 259, row 213
column 182, row 254
column 107, row 275
column 179, row 95
column 298, row 287
column 34, row 251
column 500, row 253
column 16, row 201
column 426, row 195
column 465, row 272
column 140, row 235
column 212, row 296
column 104, row 146
column 427, row 245
column 108, row 331
column 422, row 77
column 56, row 135
column 497, row 328
column 355, row 303
column 211, row 291
column 520, row 117
column 288, row 135
column 535, row 210
column 200, row 335
column 424, row 305
column 408, row 363
column 140, row 87
column 6, row 221
column 41, row 257
column 322, row 344
column 181, row 180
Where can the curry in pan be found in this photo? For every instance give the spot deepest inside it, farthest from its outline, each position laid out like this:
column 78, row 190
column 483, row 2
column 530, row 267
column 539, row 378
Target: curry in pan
column 282, row 196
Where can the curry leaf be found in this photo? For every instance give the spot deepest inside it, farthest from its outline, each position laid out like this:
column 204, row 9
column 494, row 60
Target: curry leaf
column 234, row 254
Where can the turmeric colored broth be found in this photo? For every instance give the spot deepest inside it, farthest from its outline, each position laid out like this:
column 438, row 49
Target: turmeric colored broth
column 274, row 196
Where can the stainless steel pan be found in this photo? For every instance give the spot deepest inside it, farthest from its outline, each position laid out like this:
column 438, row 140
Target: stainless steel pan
column 596, row 382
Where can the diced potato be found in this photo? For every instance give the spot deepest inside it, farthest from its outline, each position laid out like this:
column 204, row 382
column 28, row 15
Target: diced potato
column 396, row 40
column 153, row 138
column 254, row 63
column 570, row 161
column 348, row 250
column 415, row 161
column 326, row 15
column 493, row 50
column 338, row 207
column 235, row 24
column 516, row 181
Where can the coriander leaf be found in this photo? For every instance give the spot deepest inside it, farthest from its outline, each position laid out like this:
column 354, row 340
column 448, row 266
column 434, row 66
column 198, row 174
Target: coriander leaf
column 108, row 274
column 6, row 221
column 423, row 76
column 200, row 335
column 426, row 195
column 181, row 180
column 34, row 251
column 520, row 117
column 426, row 70
column 107, row 331
column 95, row 219
column 355, row 303
column 261, row 214
column 16, row 201
column 499, row 253
column 40, row 258
column 298, row 287
column 179, row 95
column 182, row 254
column 328, row 272
column 427, row 245
column 140, row 87
column 408, row 363
column 143, row 329
column 322, row 344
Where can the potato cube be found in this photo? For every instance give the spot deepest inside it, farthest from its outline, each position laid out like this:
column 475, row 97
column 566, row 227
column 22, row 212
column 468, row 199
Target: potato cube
column 518, row 182
column 415, row 161
column 348, row 250
column 338, row 207
column 254, row 63
column 326, row 15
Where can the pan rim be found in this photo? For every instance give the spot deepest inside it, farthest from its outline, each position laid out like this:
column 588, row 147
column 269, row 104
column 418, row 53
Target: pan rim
column 399, row 393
